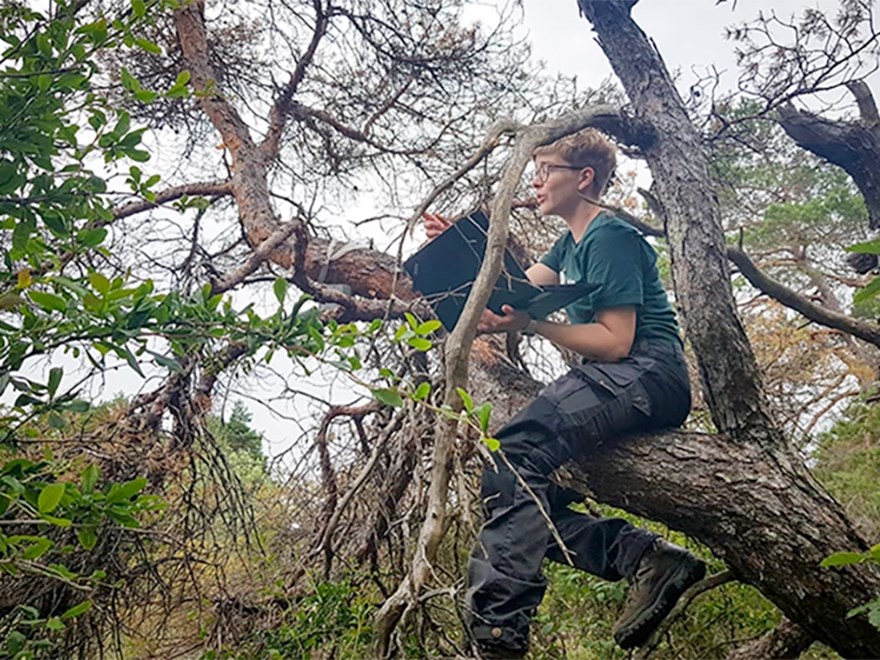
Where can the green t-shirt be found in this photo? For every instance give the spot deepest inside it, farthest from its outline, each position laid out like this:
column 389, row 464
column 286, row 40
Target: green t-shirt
column 616, row 256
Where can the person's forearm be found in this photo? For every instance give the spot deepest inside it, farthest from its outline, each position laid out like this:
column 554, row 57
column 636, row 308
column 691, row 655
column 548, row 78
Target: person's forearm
column 592, row 340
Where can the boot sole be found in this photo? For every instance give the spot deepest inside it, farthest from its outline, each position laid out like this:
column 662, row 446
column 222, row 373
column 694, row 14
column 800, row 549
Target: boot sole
column 685, row 575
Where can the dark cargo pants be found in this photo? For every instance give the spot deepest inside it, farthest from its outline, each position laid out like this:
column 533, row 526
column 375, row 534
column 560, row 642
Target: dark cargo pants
column 571, row 418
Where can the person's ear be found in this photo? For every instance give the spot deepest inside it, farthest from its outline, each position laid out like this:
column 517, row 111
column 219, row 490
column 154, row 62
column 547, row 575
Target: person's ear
column 588, row 176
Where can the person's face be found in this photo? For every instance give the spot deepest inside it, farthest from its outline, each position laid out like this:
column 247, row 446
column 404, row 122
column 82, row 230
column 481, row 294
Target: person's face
column 557, row 183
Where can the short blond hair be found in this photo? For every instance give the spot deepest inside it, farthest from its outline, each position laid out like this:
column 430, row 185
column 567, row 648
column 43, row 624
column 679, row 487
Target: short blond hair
column 586, row 148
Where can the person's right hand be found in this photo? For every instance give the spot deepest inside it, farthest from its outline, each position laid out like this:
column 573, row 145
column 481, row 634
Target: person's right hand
column 435, row 225
column 488, row 323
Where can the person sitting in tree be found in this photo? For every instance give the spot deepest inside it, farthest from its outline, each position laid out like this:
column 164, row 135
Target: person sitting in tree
column 633, row 377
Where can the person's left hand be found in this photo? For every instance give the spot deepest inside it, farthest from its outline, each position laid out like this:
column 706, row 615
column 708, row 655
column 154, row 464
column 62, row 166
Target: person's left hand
column 511, row 320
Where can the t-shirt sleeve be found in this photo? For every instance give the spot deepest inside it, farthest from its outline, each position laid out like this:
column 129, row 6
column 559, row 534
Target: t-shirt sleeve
column 553, row 259
column 615, row 263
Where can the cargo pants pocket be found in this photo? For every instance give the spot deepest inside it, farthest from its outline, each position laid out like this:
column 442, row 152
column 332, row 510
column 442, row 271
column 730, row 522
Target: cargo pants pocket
column 610, row 400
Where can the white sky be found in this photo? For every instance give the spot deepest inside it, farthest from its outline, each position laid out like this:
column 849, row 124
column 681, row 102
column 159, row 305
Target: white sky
column 688, row 33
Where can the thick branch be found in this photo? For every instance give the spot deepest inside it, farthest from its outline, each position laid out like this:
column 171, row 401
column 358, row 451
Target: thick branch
column 749, row 497
column 853, row 146
column 263, row 251
column 680, row 169
column 865, row 101
column 752, row 507
column 281, row 108
column 191, row 33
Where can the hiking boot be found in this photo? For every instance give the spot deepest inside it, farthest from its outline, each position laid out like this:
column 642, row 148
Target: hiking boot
column 663, row 574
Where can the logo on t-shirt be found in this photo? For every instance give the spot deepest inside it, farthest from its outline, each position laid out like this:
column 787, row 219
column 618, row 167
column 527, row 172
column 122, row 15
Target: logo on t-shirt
column 564, row 278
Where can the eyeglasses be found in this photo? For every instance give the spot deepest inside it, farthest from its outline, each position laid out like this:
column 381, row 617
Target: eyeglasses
column 542, row 172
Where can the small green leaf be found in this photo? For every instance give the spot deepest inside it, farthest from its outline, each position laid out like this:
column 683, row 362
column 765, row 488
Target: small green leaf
column 139, row 8
column 55, row 374
column 91, row 237
column 428, row 327
column 77, row 405
column 99, row 282
column 123, row 518
column 55, row 624
column 388, row 396
column 182, row 79
column 842, row 559
column 76, row 610
column 39, row 548
column 868, row 247
column 868, row 292
column 483, row 413
column 465, row 399
column 411, row 320
column 494, row 444
column 402, row 332
column 90, row 478
column 15, row 642
column 420, row 344
column 145, row 96
column 422, row 391
column 169, row 363
column 63, row 571
column 123, row 492
column 48, row 301
column 148, row 45
column 50, row 497
column 58, row 522
column 280, row 289
column 56, row 421
column 129, row 357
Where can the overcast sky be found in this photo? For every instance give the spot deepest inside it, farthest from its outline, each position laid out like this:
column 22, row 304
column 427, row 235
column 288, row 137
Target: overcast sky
column 689, row 33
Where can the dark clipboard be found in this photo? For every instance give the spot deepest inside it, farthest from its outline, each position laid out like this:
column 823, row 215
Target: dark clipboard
column 444, row 270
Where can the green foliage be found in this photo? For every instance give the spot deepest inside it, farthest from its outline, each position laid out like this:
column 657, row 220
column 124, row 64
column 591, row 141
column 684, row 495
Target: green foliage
column 55, row 215
column 848, row 558
column 53, row 211
column 241, row 445
column 848, row 464
column 42, row 506
column 334, row 615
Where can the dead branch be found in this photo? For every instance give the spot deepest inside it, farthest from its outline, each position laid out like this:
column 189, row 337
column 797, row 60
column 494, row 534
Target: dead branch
column 867, row 331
